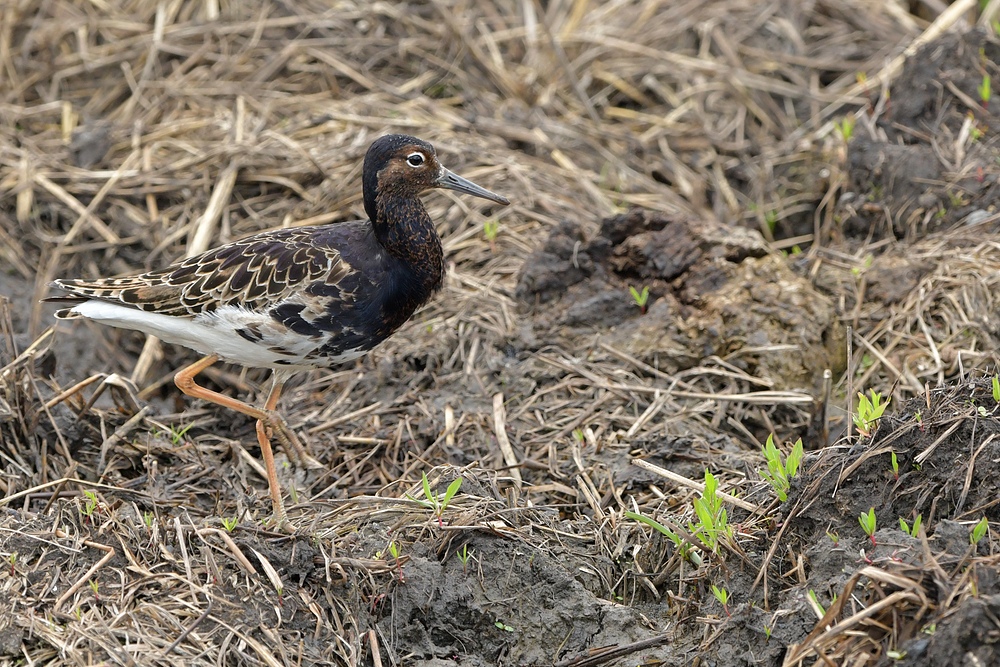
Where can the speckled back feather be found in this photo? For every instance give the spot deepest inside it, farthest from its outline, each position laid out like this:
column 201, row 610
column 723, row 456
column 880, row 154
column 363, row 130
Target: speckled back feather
column 255, row 273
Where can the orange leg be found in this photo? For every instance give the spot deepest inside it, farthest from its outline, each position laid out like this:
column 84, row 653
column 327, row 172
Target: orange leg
column 267, row 419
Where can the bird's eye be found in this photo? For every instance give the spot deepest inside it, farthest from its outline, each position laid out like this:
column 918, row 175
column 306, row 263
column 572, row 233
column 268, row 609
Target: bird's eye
column 415, row 159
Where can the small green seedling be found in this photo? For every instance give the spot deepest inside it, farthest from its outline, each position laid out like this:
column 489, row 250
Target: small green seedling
column 985, row 90
column 90, row 504
column 834, row 537
column 578, row 434
column 713, row 520
column 767, row 633
column 845, row 128
column 500, row 625
column 12, row 559
column 815, row 600
column 870, row 410
column 913, row 530
column 685, row 549
column 996, row 388
column 868, row 524
column 780, row 473
column 463, row 556
column 895, row 465
column 722, row 595
column 147, row 518
column 230, row 523
column 394, row 552
column 640, row 298
column 177, row 435
column 93, row 587
column 491, row 228
column 432, row 501
column 979, row 531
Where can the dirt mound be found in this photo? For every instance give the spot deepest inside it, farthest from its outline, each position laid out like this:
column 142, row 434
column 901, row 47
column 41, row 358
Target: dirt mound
column 712, row 291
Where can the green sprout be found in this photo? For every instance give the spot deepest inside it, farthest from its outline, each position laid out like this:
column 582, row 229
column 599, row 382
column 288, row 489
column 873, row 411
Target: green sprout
column 578, row 434
column 91, row 503
column 780, row 473
column 996, row 388
column 895, row 465
column 463, row 556
column 722, row 595
column 913, row 530
column 869, row 412
column 500, row 625
column 491, row 228
column 12, row 559
column 685, row 549
column 230, row 523
column 712, row 518
column 640, row 298
column 845, row 128
column 432, row 501
column 177, row 435
column 979, row 531
column 767, row 633
column 834, row 537
column 868, row 524
column 812, row 596
column 147, row 518
column 93, row 586
column 985, row 90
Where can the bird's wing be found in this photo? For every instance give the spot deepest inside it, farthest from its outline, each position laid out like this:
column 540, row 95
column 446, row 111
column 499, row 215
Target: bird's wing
column 255, row 273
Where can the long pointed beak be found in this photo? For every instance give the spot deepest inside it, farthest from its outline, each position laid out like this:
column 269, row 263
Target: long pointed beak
column 452, row 181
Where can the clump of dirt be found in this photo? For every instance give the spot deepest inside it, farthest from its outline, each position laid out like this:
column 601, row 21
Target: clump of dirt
column 712, row 291
column 927, row 163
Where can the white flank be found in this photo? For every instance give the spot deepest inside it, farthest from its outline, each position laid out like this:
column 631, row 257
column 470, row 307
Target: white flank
column 205, row 334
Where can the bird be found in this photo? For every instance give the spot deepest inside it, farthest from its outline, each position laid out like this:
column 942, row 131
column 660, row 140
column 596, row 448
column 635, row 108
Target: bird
column 292, row 299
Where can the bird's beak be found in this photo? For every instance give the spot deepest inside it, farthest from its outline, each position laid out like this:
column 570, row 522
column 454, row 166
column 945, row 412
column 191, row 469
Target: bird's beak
column 452, row 181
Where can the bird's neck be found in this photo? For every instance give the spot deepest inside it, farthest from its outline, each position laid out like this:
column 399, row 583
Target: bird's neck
column 406, row 232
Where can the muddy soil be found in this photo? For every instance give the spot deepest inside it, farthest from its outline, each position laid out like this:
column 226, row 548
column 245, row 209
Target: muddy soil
column 151, row 531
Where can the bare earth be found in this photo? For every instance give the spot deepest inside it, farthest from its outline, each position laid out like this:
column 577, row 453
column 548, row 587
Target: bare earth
column 807, row 191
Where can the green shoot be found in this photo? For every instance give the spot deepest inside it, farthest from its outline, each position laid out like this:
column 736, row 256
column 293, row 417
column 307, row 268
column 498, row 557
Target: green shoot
column 90, row 504
column 433, row 502
column 845, row 128
column 985, row 90
column 913, row 530
column 686, row 552
column 463, row 556
column 12, row 559
column 394, row 552
column 771, row 220
column 500, row 625
column 93, row 586
column 722, row 595
column 640, row 298
column 996, row 388
column 491, row 228
column 868, row 524
column 177, row 435
column 812, row 596
column 895, row 465
column 712, row 518
column 767, row 633
column 578, row 434
column 230, row 523
column 869, row 412
column 780, row 473
column 979, row 531
column 834, row 537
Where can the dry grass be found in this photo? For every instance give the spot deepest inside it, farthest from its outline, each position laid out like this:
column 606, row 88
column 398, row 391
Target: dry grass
column 136, row 132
